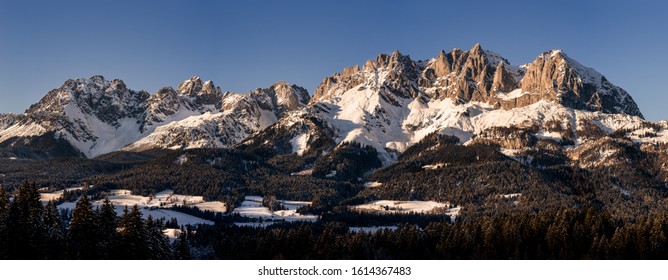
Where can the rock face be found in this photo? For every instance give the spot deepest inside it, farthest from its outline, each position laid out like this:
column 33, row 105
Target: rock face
column 97, row 116
column 393, row 101
column 202, row 93
column 389, row 103
column 467, row 75
column 281, row 97
column 480, row 75
column 556, row 77
column 239, row 116
column 7, row 120
column 108, row 101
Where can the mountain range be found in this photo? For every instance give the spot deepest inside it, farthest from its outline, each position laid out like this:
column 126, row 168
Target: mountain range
column 390, row 103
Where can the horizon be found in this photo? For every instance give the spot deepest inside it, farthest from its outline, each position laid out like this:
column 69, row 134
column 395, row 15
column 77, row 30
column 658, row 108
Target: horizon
column 240, row 46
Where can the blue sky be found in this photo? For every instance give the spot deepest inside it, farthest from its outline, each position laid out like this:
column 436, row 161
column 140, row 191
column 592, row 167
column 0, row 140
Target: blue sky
column 242, row 45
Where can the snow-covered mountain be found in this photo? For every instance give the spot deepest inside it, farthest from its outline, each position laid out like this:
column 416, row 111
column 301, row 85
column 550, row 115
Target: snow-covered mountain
column 392, row 102
column 239, row 116
column 97, row 116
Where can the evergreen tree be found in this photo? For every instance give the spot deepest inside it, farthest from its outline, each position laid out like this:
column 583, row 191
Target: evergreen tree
column 55, row 232
column 4, row 209
column 83, row 232
column 4, row 202
column 106, row 224
column 133, row 236
column 26, row 235
column 159, row 248
column 182, row 246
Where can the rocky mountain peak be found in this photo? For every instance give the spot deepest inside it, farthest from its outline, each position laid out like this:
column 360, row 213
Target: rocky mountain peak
column 8, row 119
column 281, row 97
column 109, row 101
column 190, row 87
column 466, row 75
column 555, row 76
column 202, row 93
column 209, row 88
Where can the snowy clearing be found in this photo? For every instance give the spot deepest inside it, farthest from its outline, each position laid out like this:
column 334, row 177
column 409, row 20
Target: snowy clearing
column 406, row 207
column 157, row 206
column 371, row 229
column 252, row 207
column 398, row 206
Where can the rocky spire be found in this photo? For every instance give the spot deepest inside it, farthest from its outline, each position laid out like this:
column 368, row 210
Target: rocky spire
column 555, row 76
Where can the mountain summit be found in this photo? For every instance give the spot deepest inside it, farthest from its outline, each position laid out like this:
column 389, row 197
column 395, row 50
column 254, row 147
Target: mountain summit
column 390, row 103
column 393, row 101
column 95, row 116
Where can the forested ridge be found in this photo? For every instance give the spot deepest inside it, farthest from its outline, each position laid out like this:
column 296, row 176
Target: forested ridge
column 534, row 205
column 29, row 230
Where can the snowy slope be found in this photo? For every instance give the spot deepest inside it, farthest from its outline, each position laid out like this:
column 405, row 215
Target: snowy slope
column 98, row 116
column 240, row 116
column 390, row 107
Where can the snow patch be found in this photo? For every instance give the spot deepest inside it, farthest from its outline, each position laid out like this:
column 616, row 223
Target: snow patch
column 434, row 166
column 373, row 229
column 299, row 143
column 398, row 206
column 252, row 207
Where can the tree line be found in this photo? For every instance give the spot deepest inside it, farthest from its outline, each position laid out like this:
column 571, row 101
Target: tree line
column 31, row 230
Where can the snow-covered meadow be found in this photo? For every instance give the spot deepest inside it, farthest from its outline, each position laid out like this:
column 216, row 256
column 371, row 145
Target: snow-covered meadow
column 407, row 207
column 252, row 207
column 156, row 206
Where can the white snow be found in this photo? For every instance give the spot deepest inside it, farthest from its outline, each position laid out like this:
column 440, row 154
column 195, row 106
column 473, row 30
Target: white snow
column 239, row 119
column 434, row 166
column 155, row 206
column 406, row 207
column 373, row 229
column 46, row 197
column 156, row 213
column 181, row 159
column 252, row 207
column 511, row 95
column 21, row 130
column 372, row 184
column 107, row 137
column 511, row 195
column 172, row 233
column 299, row 143
column 398, row 206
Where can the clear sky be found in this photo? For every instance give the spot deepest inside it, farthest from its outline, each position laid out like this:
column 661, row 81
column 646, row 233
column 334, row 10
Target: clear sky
column 242, row 45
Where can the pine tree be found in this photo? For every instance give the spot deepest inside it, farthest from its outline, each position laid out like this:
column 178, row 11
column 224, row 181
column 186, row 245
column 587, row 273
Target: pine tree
column 4, row 209
column 159, row 248
column 182, row 246
column 26, row 235
column 83, row 233
column 106, row 223
column 55, row 232
column 4, row 202
column 133, row 236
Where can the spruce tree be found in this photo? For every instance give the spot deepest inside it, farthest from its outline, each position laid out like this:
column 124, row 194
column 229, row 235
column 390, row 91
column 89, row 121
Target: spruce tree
column 182, row 246
column 55, row 232
column 133, row 236
column 4, row 209
column 106, row 225
column 26, row 235
column 83, row 233
column 159, row 248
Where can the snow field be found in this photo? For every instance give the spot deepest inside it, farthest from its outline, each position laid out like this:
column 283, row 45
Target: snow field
column 252, row 207
column 150, row 206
